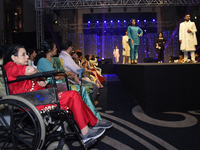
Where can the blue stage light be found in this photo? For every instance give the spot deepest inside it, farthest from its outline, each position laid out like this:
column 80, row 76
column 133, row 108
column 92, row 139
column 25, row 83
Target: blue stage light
column 154, row 20
column 111, row 21
column 124, row 20
column 88, row 21
column 145, row 20
column 104, row 21
column 138, row 20
column 97, row 21
column 118, row 21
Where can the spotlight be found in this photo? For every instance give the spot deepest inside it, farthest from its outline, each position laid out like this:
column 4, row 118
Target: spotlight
column 118, row 20
column 124, row 20
column 195, row 17
column 145, row 20
column 138, row 20
column 145, row 30
column 111, row 21
column 104, row 21
column 154, row 20
column 56, row 22
column 88, row 21
column 97, row 21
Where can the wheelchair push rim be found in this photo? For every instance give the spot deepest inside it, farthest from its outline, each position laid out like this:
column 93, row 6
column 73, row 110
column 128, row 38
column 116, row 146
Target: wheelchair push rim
column 17, row 120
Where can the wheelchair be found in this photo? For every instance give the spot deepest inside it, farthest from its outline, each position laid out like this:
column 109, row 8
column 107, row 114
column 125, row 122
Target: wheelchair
column 22, row 126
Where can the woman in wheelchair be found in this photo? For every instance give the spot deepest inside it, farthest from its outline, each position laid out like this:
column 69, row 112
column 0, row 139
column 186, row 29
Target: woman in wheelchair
column 15, row 64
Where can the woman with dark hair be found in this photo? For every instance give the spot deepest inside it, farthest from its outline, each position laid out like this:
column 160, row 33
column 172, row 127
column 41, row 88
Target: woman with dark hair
column 160, row 46
column 134, row 32
column 46, row 62
column 88, row 58
column 90, row 73
column 16, row 61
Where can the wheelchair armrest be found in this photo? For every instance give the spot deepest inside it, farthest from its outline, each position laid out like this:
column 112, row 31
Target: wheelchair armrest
column 37, row 75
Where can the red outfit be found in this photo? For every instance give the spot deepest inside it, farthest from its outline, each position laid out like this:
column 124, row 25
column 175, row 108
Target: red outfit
column 82, row 114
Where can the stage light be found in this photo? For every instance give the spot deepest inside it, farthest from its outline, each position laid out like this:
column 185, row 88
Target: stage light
column 145, row 20
column 138, row 20
column 56, row 22
column 145, row 30
column 154, row 20
column 104, row 21
column 88, row 22
column 195, row 17
column 124, row 20
column 118, row 21
column 97, row 21
column 111, row 21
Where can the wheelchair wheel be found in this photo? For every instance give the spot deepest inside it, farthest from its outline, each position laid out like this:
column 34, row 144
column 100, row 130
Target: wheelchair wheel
column 16, row 120
column 54, row 145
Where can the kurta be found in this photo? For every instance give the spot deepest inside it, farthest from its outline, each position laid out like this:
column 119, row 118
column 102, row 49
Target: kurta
column 189, row 40
column 126, row 46
column 45, row 65
column 132, row 34
column 81, row 113
column 116, row 55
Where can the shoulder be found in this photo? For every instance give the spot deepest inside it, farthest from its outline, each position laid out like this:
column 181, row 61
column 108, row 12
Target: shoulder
column 42, row 60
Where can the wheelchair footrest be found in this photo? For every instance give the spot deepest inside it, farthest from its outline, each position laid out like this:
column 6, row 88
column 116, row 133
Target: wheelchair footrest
column 89, row 143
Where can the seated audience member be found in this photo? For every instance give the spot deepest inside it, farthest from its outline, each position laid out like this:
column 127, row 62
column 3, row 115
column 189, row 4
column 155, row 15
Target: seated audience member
column 70, row 65
column 45, row 62
column 80, row 57
column 181, row 59
column 75, row 57
column 94, row 64
column 91, row 74
column 15, row 64
column 171, row 59
column 197, row 57
column 88, row 58
column 32, row 54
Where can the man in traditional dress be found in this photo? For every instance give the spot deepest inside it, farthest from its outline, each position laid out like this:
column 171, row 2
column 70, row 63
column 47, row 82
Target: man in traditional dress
column 126, row 49
column 187, row 38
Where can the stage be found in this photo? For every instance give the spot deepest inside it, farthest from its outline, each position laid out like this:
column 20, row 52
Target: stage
column 160, row 87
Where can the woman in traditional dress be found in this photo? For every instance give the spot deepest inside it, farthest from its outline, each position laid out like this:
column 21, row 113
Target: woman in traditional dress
column 134, row 32
column 15, row 64
column 160, row 47
column 45, row 62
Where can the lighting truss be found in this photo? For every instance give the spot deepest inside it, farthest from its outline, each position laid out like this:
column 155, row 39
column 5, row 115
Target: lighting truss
column 81, row 4
column 120, row 25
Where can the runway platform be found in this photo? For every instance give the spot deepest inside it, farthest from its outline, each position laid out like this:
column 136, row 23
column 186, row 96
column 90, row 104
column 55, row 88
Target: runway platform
column 161, row 87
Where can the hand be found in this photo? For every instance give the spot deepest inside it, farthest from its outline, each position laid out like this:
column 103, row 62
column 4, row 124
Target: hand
column 124, row 49
column 132, row 42
column 180, row 41
column 42, row 83
column 126, row 41
column 139, row 35
column 76, row 79
column 189, row 31
column 30, row 70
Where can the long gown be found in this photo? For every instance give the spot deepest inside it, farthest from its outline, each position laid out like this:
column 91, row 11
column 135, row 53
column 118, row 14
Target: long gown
column 45, row 65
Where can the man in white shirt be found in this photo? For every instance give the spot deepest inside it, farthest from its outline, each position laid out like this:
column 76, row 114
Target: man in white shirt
column 70, row 65
column 187, row 38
